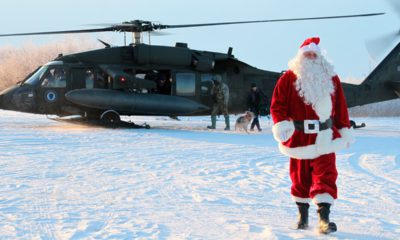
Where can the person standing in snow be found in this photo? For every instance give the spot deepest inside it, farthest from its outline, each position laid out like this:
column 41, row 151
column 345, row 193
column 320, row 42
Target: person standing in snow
column 253, row 105
column 311, row 123
column 220, row 95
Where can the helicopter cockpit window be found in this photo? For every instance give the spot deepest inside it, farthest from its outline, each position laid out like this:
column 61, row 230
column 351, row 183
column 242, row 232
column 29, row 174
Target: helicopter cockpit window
column 206, row 84
column 55, row 77
column 35, row 78
column 186, row 84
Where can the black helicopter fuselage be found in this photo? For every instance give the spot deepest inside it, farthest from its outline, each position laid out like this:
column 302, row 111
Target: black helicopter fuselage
column 126, row 80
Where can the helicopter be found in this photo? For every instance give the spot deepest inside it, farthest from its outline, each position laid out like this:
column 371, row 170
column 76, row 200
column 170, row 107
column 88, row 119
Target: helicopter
column 152, row 80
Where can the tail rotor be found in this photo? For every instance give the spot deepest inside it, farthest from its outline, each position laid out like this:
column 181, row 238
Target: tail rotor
column 379, row 44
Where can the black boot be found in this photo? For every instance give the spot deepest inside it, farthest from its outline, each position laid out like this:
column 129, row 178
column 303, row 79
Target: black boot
column 325, row 226
column 227, row 123
column 213, row 122
column 303, row 215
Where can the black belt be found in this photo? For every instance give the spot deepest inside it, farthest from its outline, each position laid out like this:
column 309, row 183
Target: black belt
column 313, row 126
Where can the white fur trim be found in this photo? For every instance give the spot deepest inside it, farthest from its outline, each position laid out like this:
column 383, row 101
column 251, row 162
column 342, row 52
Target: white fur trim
column 323, row 198
column 310, row 47
column 281, row 127
column 323, row 145
column 323, row 108
column 301, row 200
column 347, row 134
column 324, row 141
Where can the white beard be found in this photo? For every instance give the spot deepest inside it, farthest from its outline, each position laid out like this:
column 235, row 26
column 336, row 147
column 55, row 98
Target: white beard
column 314, row 78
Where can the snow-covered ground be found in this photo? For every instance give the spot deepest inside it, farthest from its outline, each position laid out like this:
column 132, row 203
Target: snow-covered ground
column 180, row 181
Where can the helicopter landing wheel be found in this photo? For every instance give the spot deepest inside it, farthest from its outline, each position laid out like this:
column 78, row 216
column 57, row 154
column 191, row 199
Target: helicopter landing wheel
column 110, row 117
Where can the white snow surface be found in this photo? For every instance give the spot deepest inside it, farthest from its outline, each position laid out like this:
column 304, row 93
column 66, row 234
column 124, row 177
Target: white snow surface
column 179, row 180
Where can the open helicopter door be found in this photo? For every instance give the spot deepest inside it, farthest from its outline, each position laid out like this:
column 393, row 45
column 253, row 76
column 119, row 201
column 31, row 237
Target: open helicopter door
column 126, row 78
column 53, row 86
column 84, row 77
column 77, row 80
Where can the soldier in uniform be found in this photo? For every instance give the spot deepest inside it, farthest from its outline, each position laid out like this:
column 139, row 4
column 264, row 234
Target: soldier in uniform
column 220, row 95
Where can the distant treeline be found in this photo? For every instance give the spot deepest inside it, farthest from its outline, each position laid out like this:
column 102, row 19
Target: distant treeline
column 382, row 109
column 17, row 62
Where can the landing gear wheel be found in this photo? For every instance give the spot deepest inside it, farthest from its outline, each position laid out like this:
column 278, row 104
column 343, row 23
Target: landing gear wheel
column 110, row 117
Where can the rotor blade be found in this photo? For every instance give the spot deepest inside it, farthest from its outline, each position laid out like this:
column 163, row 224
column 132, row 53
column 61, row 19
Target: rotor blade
column 159, row 34
column 146, row 26
column 107, row 29
column 160, row 26
column 99, row 24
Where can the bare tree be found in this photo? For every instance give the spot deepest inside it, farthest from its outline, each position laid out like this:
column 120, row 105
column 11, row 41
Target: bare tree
column 17, row 62
column 381, row 109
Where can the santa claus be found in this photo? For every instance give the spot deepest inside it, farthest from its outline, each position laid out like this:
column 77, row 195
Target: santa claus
column 311, row 123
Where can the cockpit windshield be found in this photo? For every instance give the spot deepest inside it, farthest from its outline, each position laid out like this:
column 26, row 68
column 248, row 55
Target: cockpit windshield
column 36, row 76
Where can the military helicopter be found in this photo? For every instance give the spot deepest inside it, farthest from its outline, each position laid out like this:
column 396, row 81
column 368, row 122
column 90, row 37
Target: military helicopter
column 142, row 79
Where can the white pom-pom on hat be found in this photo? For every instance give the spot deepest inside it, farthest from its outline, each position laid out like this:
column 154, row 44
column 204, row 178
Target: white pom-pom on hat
column 310, row 45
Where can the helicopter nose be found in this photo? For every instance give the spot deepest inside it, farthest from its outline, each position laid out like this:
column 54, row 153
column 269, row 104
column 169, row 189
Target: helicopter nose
column 1, row 100
column 18, row 98
column 5, row 97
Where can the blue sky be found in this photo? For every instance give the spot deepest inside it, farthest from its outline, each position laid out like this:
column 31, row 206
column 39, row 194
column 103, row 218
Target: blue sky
column 267, row 46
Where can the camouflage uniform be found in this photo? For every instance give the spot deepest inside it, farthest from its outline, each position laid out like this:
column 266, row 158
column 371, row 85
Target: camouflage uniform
column 220, row 105
column 220, row 94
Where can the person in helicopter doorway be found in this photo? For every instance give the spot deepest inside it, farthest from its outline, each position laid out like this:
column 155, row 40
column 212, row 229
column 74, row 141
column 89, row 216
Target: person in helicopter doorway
column 220, row 95
column 163, row 84
column 253, row 105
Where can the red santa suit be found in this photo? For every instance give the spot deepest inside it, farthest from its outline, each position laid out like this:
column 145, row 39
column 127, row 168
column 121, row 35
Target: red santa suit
column 312, row 155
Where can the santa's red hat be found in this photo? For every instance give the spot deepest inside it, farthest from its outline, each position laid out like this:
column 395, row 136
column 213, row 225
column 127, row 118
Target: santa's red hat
column 310, row 44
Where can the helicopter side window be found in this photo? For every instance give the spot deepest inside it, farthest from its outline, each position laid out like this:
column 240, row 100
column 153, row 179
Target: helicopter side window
column 140, row 75
column 55, row 77
column 89, row 78
column 186, row 84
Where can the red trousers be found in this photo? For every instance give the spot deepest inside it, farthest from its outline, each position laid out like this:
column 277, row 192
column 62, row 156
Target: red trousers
column 314, row 176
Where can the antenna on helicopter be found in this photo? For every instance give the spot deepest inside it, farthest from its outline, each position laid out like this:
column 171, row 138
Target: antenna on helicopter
column 230, row 49
column 107, row 45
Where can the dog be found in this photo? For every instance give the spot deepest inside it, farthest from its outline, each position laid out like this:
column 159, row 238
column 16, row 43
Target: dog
column 243, row 121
